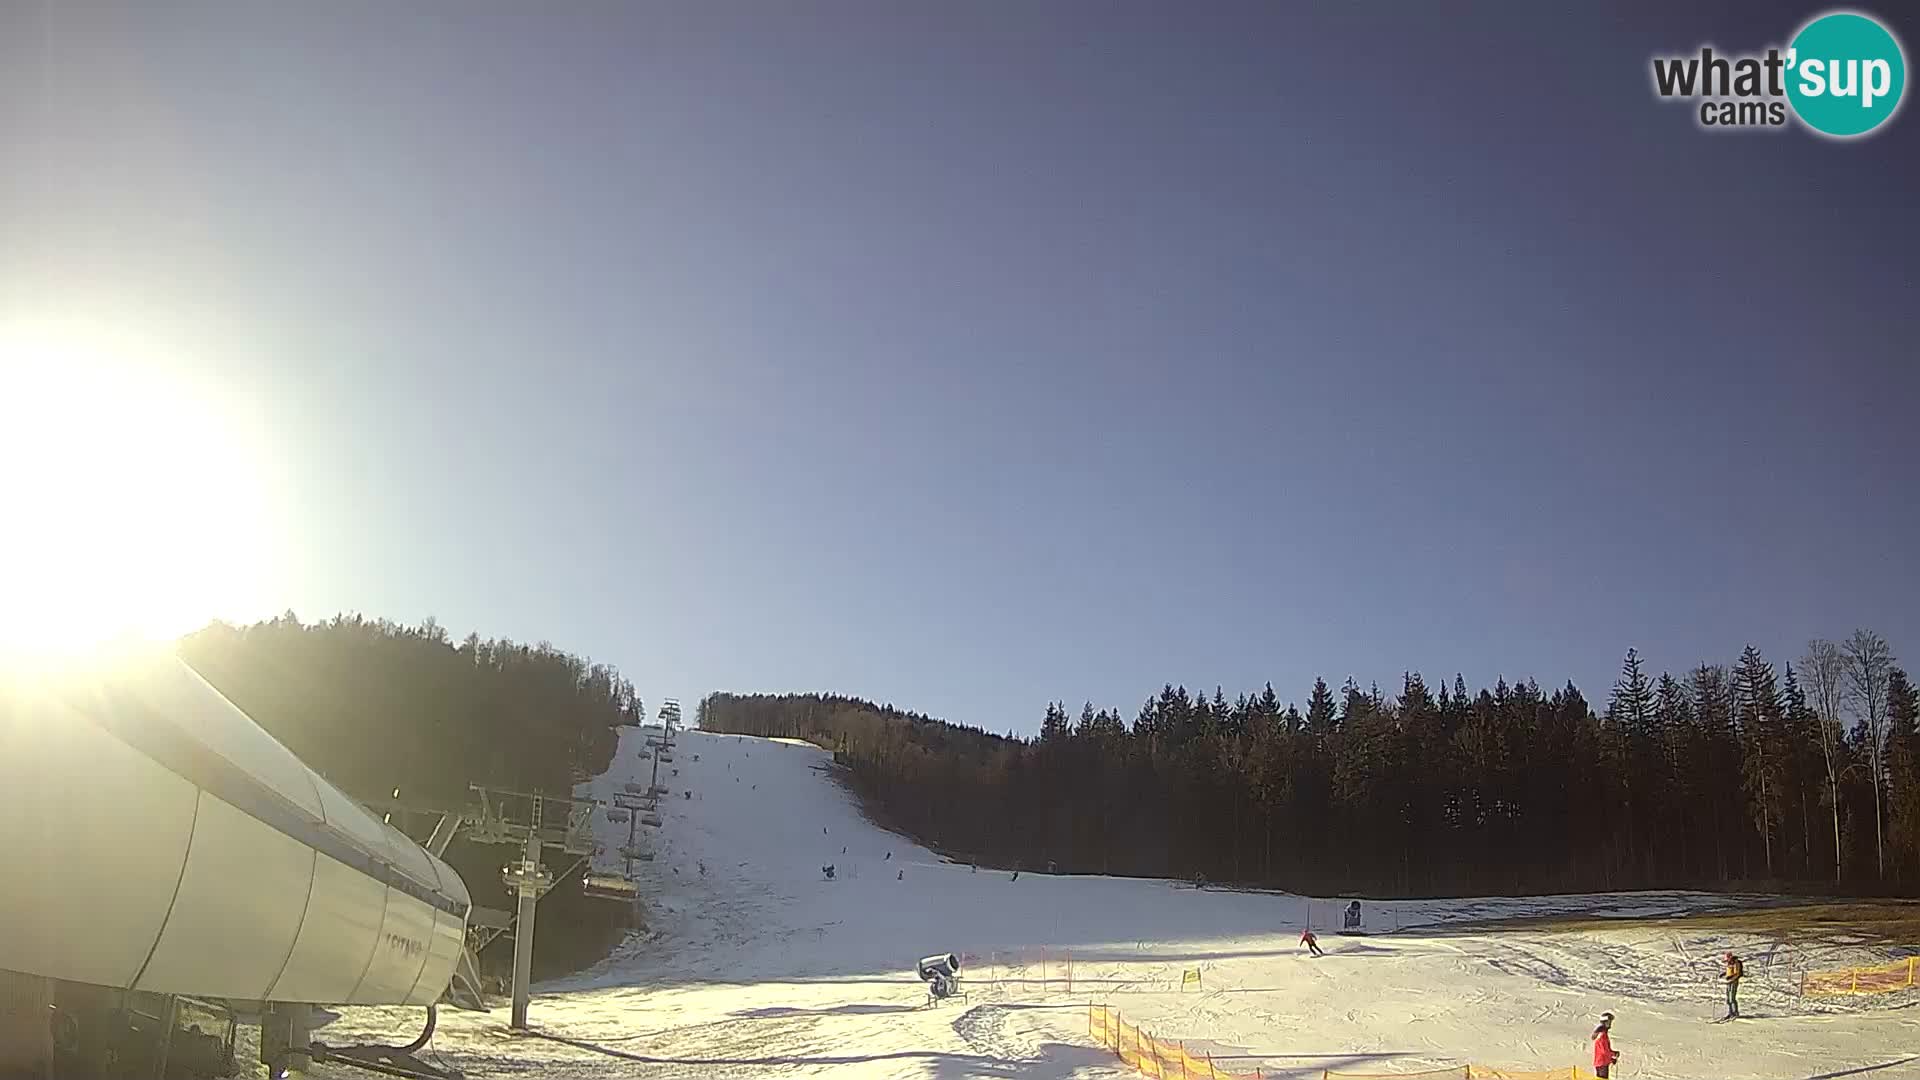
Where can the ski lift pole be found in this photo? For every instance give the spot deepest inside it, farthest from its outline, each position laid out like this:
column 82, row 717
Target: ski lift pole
column 528, row 879
column 633, row 842
column 523, row 932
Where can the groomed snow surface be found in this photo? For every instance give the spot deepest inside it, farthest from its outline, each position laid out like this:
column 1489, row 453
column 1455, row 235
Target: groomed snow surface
column 755, row 965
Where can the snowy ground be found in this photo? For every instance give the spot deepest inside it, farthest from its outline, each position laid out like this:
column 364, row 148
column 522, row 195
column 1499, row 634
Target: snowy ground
column 754, row 965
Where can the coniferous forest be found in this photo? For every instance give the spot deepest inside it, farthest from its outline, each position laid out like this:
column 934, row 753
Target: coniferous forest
column 376, row 706
column 1801, row 774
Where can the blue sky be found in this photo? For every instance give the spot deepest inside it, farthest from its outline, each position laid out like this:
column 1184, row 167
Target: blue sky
column 971, row 356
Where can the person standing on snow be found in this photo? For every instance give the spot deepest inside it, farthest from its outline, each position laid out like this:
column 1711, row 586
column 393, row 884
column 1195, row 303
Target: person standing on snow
column 1604, row 1055
column 1735, row 969
column 1312, row 943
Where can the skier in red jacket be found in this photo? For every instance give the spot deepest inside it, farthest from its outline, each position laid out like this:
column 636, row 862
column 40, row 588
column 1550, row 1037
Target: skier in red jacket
column 1312, row 943
column 1604, row 1055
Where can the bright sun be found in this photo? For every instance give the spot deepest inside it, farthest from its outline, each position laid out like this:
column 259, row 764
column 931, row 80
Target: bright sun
column 130, row 504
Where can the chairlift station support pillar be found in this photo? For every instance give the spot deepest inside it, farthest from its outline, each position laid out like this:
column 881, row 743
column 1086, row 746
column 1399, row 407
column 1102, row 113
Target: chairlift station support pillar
column 526, row 878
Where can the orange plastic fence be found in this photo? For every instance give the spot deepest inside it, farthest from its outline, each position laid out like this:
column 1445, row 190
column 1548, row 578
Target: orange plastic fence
column 1882, row 979
column 1470, row 1072
column 1454, row 1073
column 1168, row 1060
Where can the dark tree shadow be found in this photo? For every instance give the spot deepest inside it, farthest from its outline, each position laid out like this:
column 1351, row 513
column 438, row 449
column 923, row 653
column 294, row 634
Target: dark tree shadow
column 772, row 1011
column 1054, row 1061
column 1081, row 956
column 986, row 1064
column 1865, row 1068
column 1341, row 1055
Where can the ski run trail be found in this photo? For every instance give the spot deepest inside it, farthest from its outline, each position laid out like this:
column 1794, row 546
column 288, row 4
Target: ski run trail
column 753, row 964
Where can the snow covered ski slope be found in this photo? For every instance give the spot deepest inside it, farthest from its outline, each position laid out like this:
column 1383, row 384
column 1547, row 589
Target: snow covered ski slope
column 755, row 964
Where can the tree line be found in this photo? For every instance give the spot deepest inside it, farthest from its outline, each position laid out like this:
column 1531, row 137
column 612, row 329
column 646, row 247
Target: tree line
column 1723, row 776
column 376, row 706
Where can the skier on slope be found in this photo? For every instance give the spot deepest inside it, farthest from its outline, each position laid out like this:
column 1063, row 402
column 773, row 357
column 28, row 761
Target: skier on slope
column 1312, row 943
column 1734, row 971
column 1604, row 1055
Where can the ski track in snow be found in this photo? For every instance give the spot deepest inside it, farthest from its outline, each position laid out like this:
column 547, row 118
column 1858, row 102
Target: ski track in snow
column 761, row 968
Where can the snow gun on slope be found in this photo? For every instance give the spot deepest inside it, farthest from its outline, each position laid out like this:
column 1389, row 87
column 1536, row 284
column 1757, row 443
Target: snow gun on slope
column 941, row 973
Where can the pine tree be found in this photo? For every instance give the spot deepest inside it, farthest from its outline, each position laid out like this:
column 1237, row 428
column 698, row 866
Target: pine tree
column 1799, row 732
column 1320, row 715
column 1632, row 702
column 1146, row 723
column 1355, row 704
column 1719, row 756
column 1268, row 704
column 1630, row 753
column 1757, row 714
column 1054, row 728
column 1673, row 710
column 1903, row 771
column 1180, row 715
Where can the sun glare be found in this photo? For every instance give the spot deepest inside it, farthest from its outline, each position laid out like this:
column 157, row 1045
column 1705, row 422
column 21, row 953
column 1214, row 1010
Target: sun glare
column 131, row 508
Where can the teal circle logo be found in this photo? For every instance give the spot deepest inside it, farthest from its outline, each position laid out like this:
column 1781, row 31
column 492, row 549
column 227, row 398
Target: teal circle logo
column 1846, row 74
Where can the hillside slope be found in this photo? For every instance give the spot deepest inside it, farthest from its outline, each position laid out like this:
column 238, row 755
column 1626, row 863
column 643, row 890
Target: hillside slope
column 761, row 966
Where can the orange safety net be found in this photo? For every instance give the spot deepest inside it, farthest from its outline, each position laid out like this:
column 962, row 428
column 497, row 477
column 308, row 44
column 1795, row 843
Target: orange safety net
column 1153, row 1056
column 1881, row 979
column 1454, row 1073
column 1569, row 1073
column 1469, row 1073
column 1169, row 1060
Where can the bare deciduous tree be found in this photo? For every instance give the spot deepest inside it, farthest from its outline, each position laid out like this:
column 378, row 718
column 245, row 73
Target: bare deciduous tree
column 1825, row 670
column 1869, row 659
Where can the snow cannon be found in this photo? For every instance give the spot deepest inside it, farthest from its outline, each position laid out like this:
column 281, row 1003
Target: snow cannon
column 942, row 964
column 941, row 973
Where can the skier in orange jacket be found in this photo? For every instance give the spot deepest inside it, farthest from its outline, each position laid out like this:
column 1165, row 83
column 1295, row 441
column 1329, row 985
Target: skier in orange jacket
column 1733, row 973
